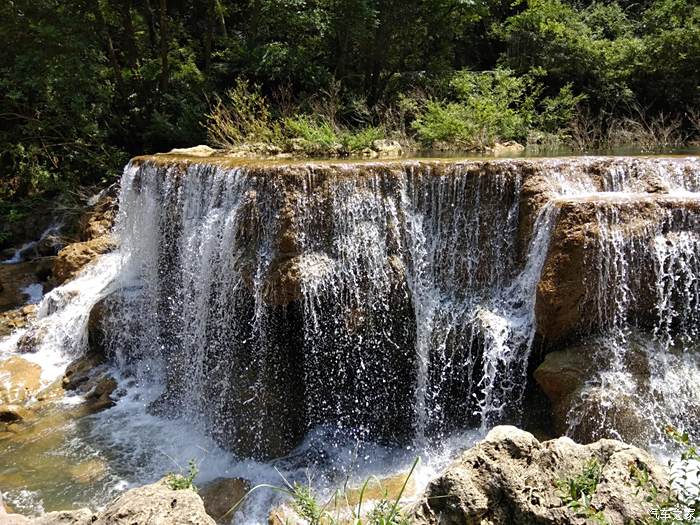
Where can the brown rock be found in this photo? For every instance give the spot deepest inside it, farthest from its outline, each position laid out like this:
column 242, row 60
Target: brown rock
column 15, row 277
column 65, row 517
column 568, row 301
column 99, row 219
column 76, row 256
column 15, row 319
column 19, row 380
column 156, row 504
column 81, row 370
column 222, row 495
column 13, row 413
column 510, row 147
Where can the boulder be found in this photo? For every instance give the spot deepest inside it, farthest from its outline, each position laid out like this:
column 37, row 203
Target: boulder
column 221, row 495
column 156, row 504
column 511, row 478
column 19, row 380
column 15, row 319
column 593, row 397
column 13, row 413
column 79, row 372
column 100, row 396
column 386, row 148
column 76, row 256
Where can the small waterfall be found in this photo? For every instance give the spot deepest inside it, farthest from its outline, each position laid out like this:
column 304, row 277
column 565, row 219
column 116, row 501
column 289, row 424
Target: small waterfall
column 645, row 290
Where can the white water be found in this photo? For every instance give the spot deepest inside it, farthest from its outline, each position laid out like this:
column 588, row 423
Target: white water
column 414, row 319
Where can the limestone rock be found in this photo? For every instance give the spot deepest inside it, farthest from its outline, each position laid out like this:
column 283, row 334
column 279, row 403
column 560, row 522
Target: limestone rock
column 386, row 148
column 221, row 495
column 586, row 408
column 100, row 396
column 69, row 517
column 99, row 218
column 510, row 478
column 19, row 380
column 195, row 151
column 15, row 319
column 156, row 504
column 81, row 370
column 510, row 147
column 13, row 413
column 570, row 294
column 76, row 256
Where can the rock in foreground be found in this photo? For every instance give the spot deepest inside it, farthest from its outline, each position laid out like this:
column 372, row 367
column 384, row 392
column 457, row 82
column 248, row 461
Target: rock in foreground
column 510, row 478
column 155, row 504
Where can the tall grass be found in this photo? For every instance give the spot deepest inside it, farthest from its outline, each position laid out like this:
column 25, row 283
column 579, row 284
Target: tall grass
column 308, row 505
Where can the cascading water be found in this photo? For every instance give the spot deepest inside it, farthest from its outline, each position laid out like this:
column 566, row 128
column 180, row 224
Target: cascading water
column 373, row 308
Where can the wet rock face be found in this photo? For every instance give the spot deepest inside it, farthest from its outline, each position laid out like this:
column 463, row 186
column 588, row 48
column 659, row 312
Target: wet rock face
column 598, row 392
column 598, row 247
column 511, row 478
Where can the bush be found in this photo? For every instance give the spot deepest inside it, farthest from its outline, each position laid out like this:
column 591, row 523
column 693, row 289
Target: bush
column 316, row 133
column 243, row 116
column 492, row 106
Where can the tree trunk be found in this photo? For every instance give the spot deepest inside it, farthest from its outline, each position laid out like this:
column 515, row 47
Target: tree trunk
column 129, row 34
column 164, row 73
column 209, row 35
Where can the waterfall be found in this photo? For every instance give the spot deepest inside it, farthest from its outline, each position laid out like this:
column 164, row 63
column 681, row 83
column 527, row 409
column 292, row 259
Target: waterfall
column 390, row 302
column 385, row 301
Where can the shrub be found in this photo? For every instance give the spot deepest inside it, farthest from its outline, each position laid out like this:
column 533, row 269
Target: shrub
column 492, row 106
column 361, row 139
column 317, row 134
column 243, row 116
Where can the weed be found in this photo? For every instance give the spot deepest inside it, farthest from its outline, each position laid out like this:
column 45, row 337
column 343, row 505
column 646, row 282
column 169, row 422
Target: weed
column 577, row 492
column 243, row 116
column 183, row 482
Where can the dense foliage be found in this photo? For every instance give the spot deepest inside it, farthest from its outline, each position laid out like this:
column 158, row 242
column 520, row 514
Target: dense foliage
column 86, row 83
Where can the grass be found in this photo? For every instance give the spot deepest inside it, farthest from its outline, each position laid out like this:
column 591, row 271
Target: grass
column 308, row 506
column 577, row 492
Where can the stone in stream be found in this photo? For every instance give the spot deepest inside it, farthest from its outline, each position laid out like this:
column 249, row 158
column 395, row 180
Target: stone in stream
column 17, row 318
column 511, row 478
